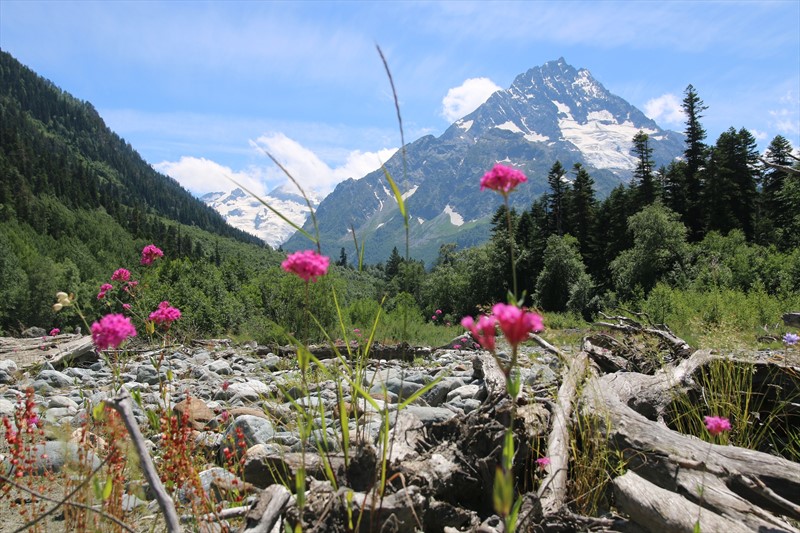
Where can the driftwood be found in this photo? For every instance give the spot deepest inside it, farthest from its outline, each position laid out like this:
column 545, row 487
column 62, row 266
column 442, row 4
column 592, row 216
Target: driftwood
column 673, row 480
column 553, row 490
column 59, row 350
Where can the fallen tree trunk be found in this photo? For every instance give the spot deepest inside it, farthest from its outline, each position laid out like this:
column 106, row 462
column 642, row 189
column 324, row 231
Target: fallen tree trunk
column 736, row 487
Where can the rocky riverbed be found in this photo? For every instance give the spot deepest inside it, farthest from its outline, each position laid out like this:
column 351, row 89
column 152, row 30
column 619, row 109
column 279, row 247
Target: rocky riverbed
column 229, row 393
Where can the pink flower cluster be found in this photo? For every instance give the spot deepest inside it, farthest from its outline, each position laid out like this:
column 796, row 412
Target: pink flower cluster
column 502, row 179
column 308, row 265
column 515, row 323
column 111, row 331
column 104, row 288
column 150, row 253
column 54, row 332
column 165, row 314
column 121, row 274
column 482, row 331
column 717, row 424
column 543, row 462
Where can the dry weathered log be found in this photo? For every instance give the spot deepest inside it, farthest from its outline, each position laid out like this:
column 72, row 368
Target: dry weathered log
column 681, row 464
column 791, row 319
column 554, row 487
column 679, row 347
column 658, row 509
column 263, row 516
column 59, row 350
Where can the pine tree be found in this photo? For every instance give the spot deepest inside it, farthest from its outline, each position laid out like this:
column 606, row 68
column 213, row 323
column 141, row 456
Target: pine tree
column 772, row 212
column 730, row 191
column 393, row 264
column 695, row 156
column 557, row 201
column 582, row 211
column 643, row 180
column 342, row 262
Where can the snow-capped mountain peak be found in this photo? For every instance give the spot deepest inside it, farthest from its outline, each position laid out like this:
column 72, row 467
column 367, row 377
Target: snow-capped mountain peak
column 249, row 214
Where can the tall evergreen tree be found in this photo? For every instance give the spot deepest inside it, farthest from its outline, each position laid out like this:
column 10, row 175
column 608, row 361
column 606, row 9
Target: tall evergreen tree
column 730, row 191
column 557, row 198
column 643, row 179
column 772, row 213
column 612, row 233
column 695, row 157
column 582, row 211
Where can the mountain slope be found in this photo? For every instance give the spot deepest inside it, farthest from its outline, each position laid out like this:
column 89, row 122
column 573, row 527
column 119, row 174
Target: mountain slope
column 553, row 112
column 54, row 144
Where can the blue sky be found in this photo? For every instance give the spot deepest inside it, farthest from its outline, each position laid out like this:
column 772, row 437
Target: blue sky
column 200, row 89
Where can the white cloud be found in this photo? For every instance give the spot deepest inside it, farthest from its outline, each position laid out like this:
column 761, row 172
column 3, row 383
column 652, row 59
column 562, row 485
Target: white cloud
column 309, row 170
column 758, row 134
column 666, row 108
column 201, row 175
column 464, row 99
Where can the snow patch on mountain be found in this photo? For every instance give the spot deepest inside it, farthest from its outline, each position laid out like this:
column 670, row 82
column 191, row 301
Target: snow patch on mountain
column 510, row 126
column 410, row 192
column 455, row 218
column 465, row 124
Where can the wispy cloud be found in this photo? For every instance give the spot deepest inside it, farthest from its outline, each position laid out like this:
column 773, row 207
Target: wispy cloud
column 666, row 109
column 309, row 170
column 200, row 175
column 467, row 97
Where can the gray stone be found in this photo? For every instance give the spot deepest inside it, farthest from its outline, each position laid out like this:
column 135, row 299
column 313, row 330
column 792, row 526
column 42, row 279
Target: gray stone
column 256, row 430
column 251, row 390
column 430, row 415
column 6, row 408
column 52, row 456
column 223, row 368
column 6, row 378
column 438, row 393
column 55, row 379
column 148, row 374
column 465, row 392
column 8, row 366
column 62, row 401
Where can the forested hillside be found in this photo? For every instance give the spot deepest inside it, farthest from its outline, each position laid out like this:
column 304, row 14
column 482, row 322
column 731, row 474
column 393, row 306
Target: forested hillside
column 714, row 233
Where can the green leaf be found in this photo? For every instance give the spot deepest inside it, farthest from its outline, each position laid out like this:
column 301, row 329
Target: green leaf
column 503, row 492
column 399, row 197
column 107, row 489
column 97, row 411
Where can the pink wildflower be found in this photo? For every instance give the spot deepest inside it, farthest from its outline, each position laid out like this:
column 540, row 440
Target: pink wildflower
column 130, row 285
column 717, row 424
column 104, row 288
column 502, row 179
column 121, row 274
column 225, row 385
column 516, row 323
column 111, row 331
column 308, row 265
column 483, row 331
column 126, row 307
column 438, row 311
column 456, row 346
column 165, row 314
column 54, row 332
column 150, row 253
column 543, row 462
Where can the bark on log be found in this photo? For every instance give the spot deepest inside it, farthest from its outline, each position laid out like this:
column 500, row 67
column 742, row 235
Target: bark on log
column 680, row 464
column 59, row 350
column 553, row 490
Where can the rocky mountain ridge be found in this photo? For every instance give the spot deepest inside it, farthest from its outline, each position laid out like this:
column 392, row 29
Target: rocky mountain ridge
column 553, row 112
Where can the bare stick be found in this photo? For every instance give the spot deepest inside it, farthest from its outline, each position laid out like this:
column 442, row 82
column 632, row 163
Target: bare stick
column 122, row 405
column 553, row 491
